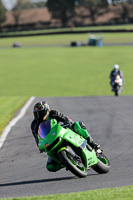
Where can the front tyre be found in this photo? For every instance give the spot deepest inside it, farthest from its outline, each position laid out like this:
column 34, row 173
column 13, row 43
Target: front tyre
column 116, row 90
column 103, row 165
column 73, row 163
column 116, row 93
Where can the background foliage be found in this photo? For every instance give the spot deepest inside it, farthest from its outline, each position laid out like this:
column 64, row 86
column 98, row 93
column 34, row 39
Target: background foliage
column 2, row 13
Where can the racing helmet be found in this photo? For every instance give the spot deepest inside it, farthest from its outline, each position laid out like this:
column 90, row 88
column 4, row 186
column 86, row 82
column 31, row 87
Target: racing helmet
column 41, row 110
column 116, row 67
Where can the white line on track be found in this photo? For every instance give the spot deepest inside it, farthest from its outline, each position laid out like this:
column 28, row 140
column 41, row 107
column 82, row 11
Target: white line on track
column 14, row 121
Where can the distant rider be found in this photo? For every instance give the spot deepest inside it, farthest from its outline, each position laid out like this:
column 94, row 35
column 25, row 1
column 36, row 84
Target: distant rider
column 42, row 113
column 114, row 73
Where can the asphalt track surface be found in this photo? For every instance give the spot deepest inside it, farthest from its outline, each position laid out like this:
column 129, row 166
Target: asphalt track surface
column 110, row 122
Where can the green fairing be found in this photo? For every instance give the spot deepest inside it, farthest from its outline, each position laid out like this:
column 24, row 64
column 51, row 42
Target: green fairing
column 89, row 156
column 62, row 134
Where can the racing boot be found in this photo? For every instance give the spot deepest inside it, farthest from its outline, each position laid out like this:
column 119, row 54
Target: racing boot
column 93, row 144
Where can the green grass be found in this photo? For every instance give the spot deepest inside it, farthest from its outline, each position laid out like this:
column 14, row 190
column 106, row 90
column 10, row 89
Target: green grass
column 8, row 106
column 123, row 193
column 66, row 39
column 81, row 71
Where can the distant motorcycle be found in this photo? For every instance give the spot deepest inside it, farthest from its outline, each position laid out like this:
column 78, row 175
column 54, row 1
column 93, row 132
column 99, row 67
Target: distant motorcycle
column 117, row 84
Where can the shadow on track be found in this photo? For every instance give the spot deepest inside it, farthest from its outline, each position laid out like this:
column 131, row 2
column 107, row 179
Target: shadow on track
column 36, row 181
column 40, row 181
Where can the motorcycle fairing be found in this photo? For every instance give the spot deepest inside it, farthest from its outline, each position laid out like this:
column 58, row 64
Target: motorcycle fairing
column 54, row 135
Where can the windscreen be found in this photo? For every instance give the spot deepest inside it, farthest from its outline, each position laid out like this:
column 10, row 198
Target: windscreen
column 44, row 129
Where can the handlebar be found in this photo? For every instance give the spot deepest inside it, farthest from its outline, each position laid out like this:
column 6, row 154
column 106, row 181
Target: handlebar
column 65, row 125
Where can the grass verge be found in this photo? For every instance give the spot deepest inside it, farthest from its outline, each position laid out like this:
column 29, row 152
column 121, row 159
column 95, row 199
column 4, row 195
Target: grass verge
column 82, row 71
column 123, row 193
column 8, row 106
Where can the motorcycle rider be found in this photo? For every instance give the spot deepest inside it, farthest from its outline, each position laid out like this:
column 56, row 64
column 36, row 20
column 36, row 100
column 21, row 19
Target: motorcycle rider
column 42, row 113
column 114, row 73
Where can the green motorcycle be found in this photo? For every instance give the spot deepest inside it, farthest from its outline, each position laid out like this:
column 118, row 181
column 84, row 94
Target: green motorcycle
column 70, row 149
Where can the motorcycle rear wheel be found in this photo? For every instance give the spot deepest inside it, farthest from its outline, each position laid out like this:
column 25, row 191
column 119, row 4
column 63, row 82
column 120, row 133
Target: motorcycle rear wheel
column 103, row 165
column 75, row 166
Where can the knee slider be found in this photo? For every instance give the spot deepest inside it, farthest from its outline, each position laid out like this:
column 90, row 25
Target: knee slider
column 82, row 125
column 78, row 126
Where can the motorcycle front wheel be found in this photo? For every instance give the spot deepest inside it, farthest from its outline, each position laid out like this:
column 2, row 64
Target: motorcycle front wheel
column 116, row 90
column 73, row 163
column 103, row 165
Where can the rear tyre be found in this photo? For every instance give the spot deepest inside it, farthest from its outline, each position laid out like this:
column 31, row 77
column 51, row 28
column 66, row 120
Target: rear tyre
column 73, row 163
column 103, row 165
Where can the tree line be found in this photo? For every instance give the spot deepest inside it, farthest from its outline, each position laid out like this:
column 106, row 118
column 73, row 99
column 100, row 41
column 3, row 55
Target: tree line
column 65, row 10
